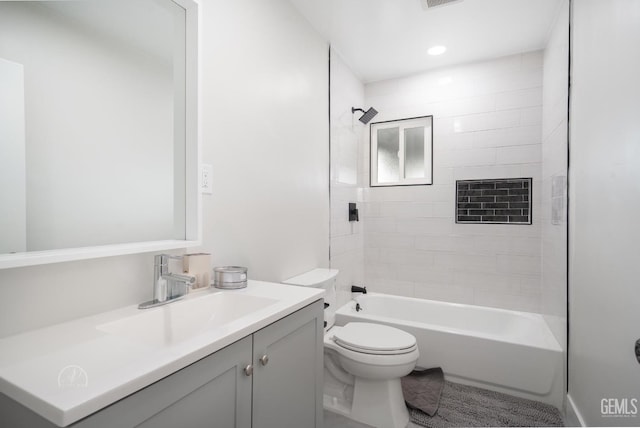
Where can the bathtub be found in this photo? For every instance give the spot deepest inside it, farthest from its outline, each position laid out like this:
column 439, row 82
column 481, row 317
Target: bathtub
column 501, row 350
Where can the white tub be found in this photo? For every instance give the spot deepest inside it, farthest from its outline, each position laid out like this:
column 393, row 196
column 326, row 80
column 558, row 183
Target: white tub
column 506, row 351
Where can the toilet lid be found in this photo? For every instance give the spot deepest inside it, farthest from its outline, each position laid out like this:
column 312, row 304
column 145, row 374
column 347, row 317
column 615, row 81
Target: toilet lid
column 374, row 338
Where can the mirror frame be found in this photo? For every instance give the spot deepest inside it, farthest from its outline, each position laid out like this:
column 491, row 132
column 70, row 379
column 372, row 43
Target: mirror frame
column 193, row 223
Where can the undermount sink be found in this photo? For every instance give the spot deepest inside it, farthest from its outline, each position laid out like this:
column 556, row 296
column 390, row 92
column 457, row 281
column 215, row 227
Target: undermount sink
column 184, row 319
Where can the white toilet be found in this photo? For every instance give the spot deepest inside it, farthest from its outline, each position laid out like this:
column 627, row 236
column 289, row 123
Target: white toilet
column 363, row 362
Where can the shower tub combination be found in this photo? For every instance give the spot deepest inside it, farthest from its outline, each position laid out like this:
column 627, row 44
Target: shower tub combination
column 497, row 349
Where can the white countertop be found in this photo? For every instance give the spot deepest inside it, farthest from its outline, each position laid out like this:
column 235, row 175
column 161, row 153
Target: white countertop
column 68, row 371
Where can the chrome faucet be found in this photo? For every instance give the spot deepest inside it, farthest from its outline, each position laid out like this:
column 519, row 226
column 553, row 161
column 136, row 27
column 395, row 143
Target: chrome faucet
column 167, row 286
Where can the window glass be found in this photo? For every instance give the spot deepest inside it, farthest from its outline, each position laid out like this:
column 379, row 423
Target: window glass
column 414, row 152
column 388, row 159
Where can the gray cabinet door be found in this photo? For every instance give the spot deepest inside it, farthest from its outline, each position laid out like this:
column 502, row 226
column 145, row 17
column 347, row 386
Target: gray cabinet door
column 287, row 390
column 213, row 392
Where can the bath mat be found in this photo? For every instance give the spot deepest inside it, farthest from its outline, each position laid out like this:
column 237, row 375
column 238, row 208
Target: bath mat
column 422, row 390
column 468, row 406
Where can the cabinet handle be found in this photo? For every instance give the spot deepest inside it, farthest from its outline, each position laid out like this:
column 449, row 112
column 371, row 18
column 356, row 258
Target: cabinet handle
column 264, row 360
column 248, row 370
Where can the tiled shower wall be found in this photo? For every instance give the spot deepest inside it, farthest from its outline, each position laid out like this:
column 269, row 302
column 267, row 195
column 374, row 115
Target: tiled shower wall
column 487, row 124
column 346, row 182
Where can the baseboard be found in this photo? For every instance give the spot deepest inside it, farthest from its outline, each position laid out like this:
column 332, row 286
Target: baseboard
column 572, row 416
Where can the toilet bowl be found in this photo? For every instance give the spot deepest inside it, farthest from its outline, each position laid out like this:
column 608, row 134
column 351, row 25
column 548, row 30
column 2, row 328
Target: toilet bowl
column 377, row 356
column 363, row 363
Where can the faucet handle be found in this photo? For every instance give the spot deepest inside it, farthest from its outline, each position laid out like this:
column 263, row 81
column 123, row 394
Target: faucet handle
column 162, row 259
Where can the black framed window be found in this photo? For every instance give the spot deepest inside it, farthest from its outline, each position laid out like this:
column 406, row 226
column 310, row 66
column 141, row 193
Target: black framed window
column 401, row 152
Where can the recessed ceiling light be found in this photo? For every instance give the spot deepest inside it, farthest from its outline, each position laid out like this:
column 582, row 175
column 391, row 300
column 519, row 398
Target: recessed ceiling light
column 437, row 50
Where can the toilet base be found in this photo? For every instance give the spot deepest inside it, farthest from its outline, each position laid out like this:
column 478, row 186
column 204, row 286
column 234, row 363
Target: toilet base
column 378, row 403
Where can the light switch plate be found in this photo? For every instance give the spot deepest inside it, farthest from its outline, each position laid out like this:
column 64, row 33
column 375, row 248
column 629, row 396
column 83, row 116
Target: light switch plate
column 206, row 179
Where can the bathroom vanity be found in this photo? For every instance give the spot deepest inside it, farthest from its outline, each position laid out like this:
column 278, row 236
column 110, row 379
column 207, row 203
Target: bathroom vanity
column 241, row 358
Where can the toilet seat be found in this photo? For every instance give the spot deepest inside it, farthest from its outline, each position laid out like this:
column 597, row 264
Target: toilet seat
column 374, row 339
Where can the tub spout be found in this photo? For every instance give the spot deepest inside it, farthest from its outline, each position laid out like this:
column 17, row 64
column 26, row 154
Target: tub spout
column 356, row 289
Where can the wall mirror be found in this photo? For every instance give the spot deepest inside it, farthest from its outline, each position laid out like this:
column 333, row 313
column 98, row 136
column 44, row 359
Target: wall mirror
column 98, row 128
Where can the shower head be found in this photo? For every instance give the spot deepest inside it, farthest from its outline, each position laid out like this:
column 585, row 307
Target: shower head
column 367, row 116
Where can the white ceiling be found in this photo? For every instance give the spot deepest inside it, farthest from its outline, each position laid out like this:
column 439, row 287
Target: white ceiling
column 382, row 39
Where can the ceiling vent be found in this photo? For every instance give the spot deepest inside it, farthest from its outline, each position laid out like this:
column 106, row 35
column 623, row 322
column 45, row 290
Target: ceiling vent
column 430, row 4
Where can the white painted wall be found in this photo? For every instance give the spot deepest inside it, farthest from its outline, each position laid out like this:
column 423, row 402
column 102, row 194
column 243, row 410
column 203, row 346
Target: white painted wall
column 84, row 137
column 555, row 96
column 487, row 124
column 266, row 132
column 13, row 209
column 347, row 181
column 604, row 292
column 265, row 129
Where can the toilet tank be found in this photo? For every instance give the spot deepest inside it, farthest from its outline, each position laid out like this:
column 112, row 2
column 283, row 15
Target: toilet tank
column 320, row 278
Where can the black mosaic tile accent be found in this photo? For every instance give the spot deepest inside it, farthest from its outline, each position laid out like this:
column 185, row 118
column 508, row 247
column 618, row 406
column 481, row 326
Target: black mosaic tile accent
column 501, row 201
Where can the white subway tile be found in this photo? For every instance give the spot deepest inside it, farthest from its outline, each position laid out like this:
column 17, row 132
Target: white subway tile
column 517, row 245
column 387, row 240
column 519, row 99
column 393, row 193
column 434, row 193
column 532, row 170
column 531, row 116
column 531, row 78
column 470, row 157
column 341, row 228
column 381, row 271
column 467, row 262
column 447, row 243
column 452, row 141
column 394, row 287
column 520, row 154
column 530, row 284
column 401, row 257
column 443, row 209
column 343, row 244
column 484, row 121
column 529, row 230
column 498, row 299
column 370, row 209
column 486, row 281
column 372, row 255
column 444, row 292
column 519, row 264
column 442, row 175
column 425, row 274
column 380, row 225
column 466, row 106
column 342, row 192
column 425, row 226
column 508, row 137
column 406, row 209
